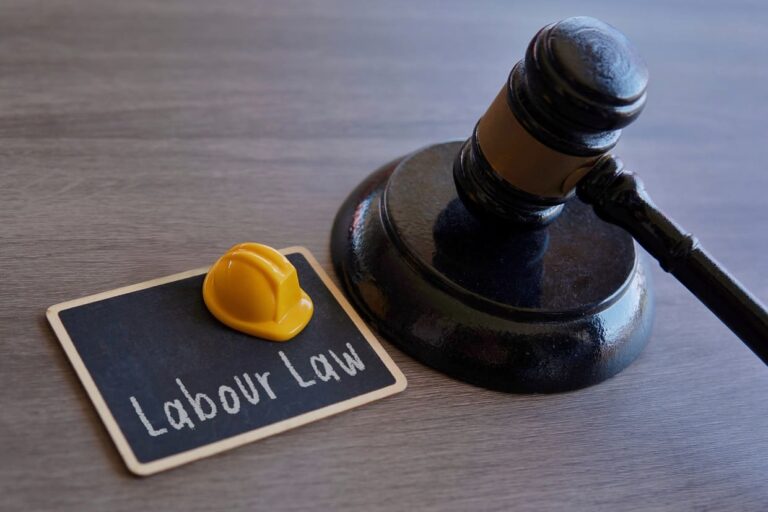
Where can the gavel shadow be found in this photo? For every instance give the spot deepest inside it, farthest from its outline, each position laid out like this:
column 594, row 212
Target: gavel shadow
column 490, row 259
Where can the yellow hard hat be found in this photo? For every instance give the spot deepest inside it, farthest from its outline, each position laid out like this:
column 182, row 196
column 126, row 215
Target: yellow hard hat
column 255, row 289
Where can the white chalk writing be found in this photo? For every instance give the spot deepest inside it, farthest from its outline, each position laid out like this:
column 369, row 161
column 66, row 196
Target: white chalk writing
column 247, row 390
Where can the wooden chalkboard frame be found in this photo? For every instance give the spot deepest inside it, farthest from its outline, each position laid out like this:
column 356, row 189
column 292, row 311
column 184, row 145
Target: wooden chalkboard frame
column 155, row 466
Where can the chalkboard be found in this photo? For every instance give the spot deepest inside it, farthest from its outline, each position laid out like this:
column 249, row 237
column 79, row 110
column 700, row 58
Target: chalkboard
column 172, row 384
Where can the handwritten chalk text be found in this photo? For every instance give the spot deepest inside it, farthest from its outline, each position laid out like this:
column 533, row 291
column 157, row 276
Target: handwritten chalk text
column 193, row 407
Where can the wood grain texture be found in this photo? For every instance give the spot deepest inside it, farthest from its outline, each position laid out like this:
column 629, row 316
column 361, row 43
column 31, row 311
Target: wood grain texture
column 143, row 138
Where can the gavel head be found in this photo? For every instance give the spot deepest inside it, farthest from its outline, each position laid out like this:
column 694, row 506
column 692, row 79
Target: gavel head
column 562, row 108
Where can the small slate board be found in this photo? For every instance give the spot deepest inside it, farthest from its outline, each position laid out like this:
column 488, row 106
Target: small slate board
column 156, row 364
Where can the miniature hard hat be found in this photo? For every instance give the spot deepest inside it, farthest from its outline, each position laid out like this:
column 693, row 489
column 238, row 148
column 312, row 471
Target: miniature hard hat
column 255, row 289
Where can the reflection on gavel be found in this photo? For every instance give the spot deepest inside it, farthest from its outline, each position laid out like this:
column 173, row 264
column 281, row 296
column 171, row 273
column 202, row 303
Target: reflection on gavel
column 546, row 137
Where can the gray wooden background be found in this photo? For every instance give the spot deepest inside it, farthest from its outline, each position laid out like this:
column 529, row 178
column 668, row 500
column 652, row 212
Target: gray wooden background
column 141, row 138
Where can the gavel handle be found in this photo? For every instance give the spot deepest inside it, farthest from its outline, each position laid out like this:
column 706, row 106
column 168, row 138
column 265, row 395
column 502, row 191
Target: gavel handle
column 618, row 197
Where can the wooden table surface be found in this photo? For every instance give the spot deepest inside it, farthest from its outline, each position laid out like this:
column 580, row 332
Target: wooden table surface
column 142, row 138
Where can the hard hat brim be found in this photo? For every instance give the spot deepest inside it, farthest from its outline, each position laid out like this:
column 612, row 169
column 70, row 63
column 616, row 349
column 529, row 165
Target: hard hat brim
column 291, row 324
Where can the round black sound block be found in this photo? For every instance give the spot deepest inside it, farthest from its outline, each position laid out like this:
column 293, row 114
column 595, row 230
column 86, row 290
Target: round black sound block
column 539, row 311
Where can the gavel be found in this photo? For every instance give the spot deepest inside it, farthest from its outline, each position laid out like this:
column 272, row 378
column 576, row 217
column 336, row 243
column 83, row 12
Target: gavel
column 507, row 260
column 547, row 136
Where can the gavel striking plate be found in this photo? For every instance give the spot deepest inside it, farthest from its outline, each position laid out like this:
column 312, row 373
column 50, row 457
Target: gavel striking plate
column 508, row 260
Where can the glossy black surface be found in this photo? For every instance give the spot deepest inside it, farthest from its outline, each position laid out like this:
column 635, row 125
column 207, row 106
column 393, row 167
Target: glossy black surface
column 489, row 283
column 538, row 311
column 580, row 82
column 619, row 197
column 580, row 260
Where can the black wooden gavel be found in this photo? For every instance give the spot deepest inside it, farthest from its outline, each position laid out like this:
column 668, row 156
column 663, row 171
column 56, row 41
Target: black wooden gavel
column 546, row 138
